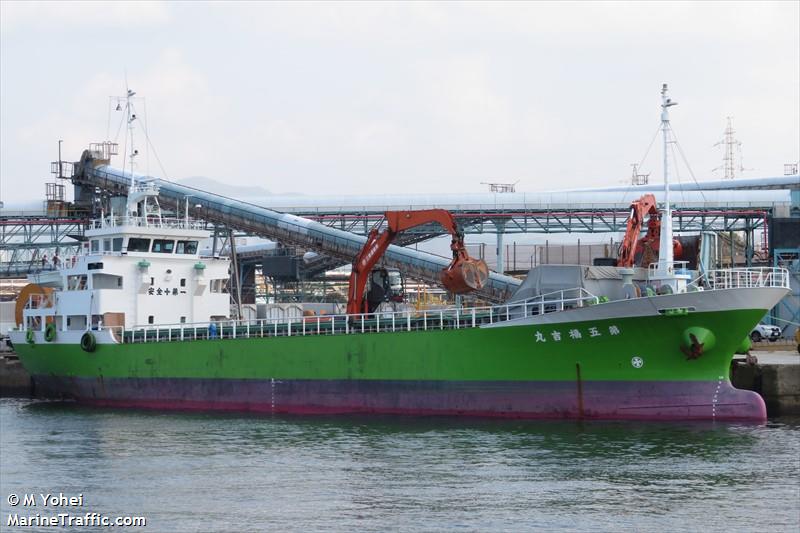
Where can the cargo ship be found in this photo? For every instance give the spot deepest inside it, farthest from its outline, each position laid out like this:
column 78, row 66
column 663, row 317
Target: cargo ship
column 141, row 319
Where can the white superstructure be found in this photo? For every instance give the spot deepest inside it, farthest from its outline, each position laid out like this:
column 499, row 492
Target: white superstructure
column 137, row 269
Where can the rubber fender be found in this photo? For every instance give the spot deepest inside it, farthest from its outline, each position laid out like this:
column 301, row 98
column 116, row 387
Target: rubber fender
column 50, row 332
column 88, row 342
column 30, row 337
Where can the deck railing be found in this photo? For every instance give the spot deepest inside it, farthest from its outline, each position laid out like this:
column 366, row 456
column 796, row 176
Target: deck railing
column 424, row 320
column 439, row 319
column 743, row 278
column 152, row 221
column 681, row 268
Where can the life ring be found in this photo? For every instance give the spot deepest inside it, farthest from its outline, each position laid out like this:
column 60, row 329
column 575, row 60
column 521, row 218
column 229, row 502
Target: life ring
column 88, row 342
column 50, row 332
column 30, row 337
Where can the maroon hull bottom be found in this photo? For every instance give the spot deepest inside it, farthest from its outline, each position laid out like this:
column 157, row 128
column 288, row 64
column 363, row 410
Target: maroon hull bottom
column 674, row 400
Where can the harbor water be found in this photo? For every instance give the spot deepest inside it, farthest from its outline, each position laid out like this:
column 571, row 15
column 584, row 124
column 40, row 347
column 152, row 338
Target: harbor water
column 208, row 473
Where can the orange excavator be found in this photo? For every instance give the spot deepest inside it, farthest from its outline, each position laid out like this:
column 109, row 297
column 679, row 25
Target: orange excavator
column 636, row 251
column 462, row 275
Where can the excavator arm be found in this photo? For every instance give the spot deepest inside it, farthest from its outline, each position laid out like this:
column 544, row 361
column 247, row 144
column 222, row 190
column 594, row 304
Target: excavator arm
column 646, row 247
column 462, row 275
column 646, row 205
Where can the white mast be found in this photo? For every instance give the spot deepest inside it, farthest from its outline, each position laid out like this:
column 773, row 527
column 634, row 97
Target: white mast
column 132, row 201
column 141, row 194
column 665, row 254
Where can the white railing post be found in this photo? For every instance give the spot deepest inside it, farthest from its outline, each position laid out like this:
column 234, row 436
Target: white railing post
column 393, row 315
column 441, row 319
column 262, row 327
column 248, row 329
column 362, row 322
column 275, row 322
column 233, row 329
column 289, row 328
column 473, row 317
column 156, row 334
column 181, row 331
column 457, row 319
column 304, row 326
column 318, row 325
column 408, row 320
column 377, row 322
column 425, row 321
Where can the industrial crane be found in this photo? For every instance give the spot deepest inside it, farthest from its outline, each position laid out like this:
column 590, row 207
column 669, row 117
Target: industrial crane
column 645, row 248
column 462, row 275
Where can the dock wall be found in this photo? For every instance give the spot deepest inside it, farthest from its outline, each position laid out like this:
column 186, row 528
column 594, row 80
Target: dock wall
column 777, row 383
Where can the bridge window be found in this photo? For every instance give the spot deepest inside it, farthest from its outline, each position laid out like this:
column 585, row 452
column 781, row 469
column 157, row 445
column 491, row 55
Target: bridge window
column 76, row 283
column 187, row 247
column 95, row 245
column 106, row 281
column 106, row 245
column 117, row 244
column 219, row 285
column 136, row 244
column 163, row 246
column 76, row 322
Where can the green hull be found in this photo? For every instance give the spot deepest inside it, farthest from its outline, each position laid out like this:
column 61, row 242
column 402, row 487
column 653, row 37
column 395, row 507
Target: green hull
column 502, row 353
column 612, row 364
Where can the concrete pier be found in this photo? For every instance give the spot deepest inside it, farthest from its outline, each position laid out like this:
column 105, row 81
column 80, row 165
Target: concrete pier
column 776, row 377
column 14, row 380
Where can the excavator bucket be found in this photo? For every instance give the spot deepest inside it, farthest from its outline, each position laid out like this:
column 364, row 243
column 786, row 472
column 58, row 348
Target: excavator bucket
column 465, row 275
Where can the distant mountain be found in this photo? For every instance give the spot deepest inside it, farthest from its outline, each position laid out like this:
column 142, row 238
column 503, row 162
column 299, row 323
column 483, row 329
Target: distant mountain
column 217, row 187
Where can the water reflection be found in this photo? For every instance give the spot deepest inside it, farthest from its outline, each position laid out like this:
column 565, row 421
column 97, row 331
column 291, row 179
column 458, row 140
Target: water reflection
column 416, row 473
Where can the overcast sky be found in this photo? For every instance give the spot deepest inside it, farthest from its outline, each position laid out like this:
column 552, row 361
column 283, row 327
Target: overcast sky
column 376, row 98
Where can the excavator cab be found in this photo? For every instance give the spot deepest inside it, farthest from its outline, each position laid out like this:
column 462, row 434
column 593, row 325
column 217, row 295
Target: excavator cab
column 384, row 285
